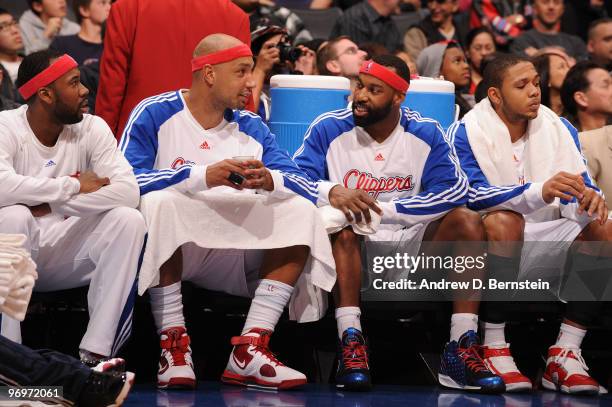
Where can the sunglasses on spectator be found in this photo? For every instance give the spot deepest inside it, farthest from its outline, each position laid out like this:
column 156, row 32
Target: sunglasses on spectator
column 7, row 25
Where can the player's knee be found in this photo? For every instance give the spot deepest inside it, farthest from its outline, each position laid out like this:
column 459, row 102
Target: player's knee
column 466, row 224
column 504, row 226
column 128, row 219
column 16, row 219
column 155, row 199
column 346, row 238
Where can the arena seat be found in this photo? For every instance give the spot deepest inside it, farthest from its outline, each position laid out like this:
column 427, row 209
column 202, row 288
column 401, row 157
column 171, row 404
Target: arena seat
column 319, row 22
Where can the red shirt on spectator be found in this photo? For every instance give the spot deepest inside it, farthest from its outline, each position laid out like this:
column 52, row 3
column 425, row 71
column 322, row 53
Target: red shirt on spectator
column 148, row 48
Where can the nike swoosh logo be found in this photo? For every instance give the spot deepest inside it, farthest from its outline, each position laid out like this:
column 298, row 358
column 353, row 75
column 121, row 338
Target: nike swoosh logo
column 163, row 365
column 241, row 364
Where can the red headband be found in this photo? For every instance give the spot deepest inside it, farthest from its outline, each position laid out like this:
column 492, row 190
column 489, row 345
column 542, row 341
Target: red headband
column 61, row 65
column 386, row 75
column 220, row 57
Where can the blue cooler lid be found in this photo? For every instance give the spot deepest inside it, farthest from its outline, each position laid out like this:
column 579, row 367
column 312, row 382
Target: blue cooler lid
column 310, row 82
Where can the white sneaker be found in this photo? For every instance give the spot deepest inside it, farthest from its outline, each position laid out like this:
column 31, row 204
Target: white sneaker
column 499, row 360
column 566, row 371
column 175, row 363
column 252, row 364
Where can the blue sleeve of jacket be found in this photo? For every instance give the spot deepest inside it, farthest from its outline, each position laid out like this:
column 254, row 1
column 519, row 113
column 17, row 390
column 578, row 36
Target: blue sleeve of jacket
column 444, row 186
column 139, row 145
column 483, row 196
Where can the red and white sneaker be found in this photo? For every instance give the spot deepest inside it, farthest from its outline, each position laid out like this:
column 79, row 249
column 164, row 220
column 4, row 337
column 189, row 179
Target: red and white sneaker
column 175, row 363
column 499, row 360
column 252, row 364
column 566, row 371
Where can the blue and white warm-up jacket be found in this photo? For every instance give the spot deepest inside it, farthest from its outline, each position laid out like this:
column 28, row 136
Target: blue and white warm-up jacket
column 167, row 147
column 414, row 174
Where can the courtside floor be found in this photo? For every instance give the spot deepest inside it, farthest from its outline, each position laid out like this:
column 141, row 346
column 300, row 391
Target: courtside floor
column 215, row 394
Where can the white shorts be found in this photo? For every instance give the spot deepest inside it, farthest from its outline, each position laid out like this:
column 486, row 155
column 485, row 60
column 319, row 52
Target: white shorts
column 549, row 256
column 230, row 271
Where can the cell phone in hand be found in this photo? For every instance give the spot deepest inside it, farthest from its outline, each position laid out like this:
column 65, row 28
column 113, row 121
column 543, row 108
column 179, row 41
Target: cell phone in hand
column 236, row 178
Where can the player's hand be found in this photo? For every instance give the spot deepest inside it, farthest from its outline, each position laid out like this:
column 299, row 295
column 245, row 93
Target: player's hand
column 268, row 56
column 258, row 176
column 563, row 185
column 594, row 204
column 90, row 182
column 53, row 27
column 306, row 63
column 355, row 201
column 40, row 210
column 217, row 174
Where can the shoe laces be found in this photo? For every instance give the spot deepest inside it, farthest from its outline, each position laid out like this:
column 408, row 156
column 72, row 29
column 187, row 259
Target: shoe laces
column 502, row 363
column 262, row 348
column 354, row 355
column 566, row 354
column 178, row 348
column 472, row 359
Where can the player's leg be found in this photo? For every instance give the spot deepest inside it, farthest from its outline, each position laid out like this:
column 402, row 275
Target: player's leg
column 18, row 219
column 101, row 251
column 461, row 365
column 353, row 372
column 251, row 363
column 505, row 233
column 566, row 370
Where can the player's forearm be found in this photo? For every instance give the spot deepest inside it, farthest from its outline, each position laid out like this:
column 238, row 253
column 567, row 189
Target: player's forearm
column 20, row 189
column 119, row 193
column 523, row 199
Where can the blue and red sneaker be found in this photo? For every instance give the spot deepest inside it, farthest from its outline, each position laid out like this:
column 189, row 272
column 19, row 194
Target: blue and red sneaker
column 353, row 368
column 461, row 367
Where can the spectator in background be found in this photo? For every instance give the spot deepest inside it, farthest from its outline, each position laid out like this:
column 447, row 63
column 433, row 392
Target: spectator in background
column 506, row 18
column 596, row 145
column 373, row 49
column 404, row 56
column 546, row 32
column 370, row 21
column 144, row 57
column 447, row 59
column 480, row 42
column 340, row 57
column 441, row 24
column 11, row 44
column 267, row 42
column 259, row 10
column 552, row 66
column 587, row 96
column 86, row 46
column 45, row 20
column 600, row 42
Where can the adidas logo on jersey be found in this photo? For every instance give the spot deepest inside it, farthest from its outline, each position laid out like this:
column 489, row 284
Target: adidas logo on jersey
column 205, row 146
column 50, row 163
column 379, row 157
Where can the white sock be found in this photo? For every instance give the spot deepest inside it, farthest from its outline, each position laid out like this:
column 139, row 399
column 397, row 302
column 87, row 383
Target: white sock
column 494, row 334
column 167, row 306
column 270, row 299
column 461, row 323
column 570, row 336
column 348, row 317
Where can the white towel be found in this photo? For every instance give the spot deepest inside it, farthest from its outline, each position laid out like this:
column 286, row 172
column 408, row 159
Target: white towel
column 549, row 146
column 334, row 221
column 17, row 276
column 240, row 221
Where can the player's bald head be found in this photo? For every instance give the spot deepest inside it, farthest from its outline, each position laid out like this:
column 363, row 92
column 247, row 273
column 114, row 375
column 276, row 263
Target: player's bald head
column 214, row 43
